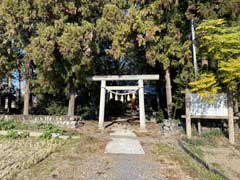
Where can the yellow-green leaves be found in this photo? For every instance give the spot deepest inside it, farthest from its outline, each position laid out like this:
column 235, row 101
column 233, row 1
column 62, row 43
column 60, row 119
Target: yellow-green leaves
column 230, row 72
column 222, row 44
column 206, row 85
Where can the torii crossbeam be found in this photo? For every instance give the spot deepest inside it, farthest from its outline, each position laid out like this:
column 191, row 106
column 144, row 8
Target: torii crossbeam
column 140, row 88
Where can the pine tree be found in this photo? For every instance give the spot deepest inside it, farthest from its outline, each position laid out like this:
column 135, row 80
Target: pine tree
column 61, row 48
column 17, row 25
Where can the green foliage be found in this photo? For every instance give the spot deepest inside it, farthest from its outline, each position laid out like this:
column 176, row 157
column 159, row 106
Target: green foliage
column 206, row 85
column 160, row 116
column 56, row 108
column 220, row 44
column 66, row 40
column 13, row 134
column 213, row 133
column 7, row 125
column 194, row 142
column 50, row 128
column 24, row 134
column 85, row 112
column 47, row 134
column 13, row 125
column 208, row 138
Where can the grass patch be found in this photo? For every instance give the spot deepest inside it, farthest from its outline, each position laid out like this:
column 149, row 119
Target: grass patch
column 196, row 144
column 194, row 141
column 209, row 138
column 13, row 125
column 217, row 166
column 185, row 162
column 196, row 150
column 15, row 135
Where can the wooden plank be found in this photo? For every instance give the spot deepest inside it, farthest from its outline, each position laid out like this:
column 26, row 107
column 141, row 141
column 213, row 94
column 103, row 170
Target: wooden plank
column 208, row 117
column 122, row 87
column 124, row 77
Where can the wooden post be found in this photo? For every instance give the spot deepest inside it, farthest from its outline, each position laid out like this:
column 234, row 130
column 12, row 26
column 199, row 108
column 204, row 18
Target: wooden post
column 141, row 105
column 102, row 104
column 188, row 115
column 199, row 127
column 230, row 120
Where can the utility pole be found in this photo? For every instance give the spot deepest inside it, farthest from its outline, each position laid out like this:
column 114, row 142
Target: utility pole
column 199, row 127
column 194, row 50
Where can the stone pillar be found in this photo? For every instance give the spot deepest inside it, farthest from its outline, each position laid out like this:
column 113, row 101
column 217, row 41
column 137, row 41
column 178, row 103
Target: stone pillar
column 102, row 104
column 188, row 115
column 141, row 105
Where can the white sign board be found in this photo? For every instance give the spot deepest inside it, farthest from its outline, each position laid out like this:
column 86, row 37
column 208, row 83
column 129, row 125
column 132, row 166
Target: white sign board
column 217, row 108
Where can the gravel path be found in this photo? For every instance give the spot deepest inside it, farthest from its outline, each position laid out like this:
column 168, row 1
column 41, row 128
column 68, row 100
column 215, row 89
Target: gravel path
column 85, row 159
column 129, row 167
column 124, row 141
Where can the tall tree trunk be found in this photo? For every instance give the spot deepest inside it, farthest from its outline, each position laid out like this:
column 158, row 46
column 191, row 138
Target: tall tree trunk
column 176, row 2
column 71, row 104
column 26, row 97
column 20, row 88
column 27, row 90
column 168, row 93
column 9, row 79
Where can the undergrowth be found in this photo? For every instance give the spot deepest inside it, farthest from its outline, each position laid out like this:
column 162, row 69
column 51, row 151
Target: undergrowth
column 208, row 138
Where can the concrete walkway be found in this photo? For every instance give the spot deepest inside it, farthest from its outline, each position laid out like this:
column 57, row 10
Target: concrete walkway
column 124, row 141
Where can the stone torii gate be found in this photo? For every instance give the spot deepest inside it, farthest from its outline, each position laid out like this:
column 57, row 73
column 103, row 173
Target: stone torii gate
column 140, row 88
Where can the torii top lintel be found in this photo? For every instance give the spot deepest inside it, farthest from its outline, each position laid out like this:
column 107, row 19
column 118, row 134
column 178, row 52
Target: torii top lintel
column 124, row 77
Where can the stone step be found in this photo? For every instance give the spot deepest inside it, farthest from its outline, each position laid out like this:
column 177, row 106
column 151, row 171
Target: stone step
column 124, row 141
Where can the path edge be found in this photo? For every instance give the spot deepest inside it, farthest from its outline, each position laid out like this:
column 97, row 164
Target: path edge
column 201, row 161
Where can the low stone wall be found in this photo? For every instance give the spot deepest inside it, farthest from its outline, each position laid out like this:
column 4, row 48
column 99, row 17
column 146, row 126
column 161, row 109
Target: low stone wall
column 62, row 121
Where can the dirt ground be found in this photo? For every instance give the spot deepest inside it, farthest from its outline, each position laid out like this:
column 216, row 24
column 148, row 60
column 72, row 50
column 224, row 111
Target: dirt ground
column 85, row 159
column 219, row 153
column 224, row 157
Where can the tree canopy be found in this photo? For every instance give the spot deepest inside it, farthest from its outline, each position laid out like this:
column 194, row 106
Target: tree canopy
column 54, row 45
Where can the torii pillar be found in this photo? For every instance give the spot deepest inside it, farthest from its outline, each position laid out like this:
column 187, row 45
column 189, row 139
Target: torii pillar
column 141, row 104
column 140, row 88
